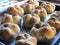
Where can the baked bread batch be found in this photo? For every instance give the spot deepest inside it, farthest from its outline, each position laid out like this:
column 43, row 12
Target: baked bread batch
column 33, row 15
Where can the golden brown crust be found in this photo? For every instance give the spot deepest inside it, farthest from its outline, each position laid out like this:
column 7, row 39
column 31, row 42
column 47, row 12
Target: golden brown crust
column 50, row 7
column 33, row 3
column 8, row 31
column 41, row 12
column 43, row 4
column 15, row 10
column 30, row 19
column 27, row 8
column 54, row 22
column 8, row 18
column 6, row 35
column 26, row 40
column 44, row 33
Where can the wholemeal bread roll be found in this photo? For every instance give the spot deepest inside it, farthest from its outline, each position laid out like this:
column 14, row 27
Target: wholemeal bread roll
column 8, row 18
column 50, row 7
column 41, row 12
column 30, row 19
column 8, row 31
column 15, row 10
column 43, row 32
column 26, row 39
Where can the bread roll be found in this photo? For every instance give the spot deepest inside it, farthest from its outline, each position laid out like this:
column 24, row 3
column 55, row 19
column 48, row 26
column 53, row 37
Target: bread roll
column 50, row 7
column 10, row 18
column 54, row 22
column 43, row 32
column 27, row 8
column 41, row 12
column 33, row 3
column 15, row 10
column 43, row 4
column 26, row 39
column 30, row 19
column 8, row 31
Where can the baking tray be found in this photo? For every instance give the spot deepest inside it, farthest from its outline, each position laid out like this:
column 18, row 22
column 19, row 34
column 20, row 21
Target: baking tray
column 55, row 41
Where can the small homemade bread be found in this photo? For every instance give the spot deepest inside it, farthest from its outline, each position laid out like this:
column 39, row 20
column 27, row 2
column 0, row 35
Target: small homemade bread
column 8, row 18
column 15, row 10
column 43, row 32
column 26, row 39
column 33, row 3
column 30, row 19
column 54, row 22
column 27, row 8
column 41, row 12
column 8, row 31
column 50, row 7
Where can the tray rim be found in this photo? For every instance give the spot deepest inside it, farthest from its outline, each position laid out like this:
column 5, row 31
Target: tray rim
column 49, row 2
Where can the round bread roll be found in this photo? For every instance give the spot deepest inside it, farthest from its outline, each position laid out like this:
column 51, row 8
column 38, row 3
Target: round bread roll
column 41, row 12
column 30, row 19
column 27, row 8
column 26, row 39
column 50, row 7
column 15, row 10
column 8, row 31
column 43, row 32
column 54, row 22
column 43, row 4
column 56, row 15
column 7, row 18
column 33, row 3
